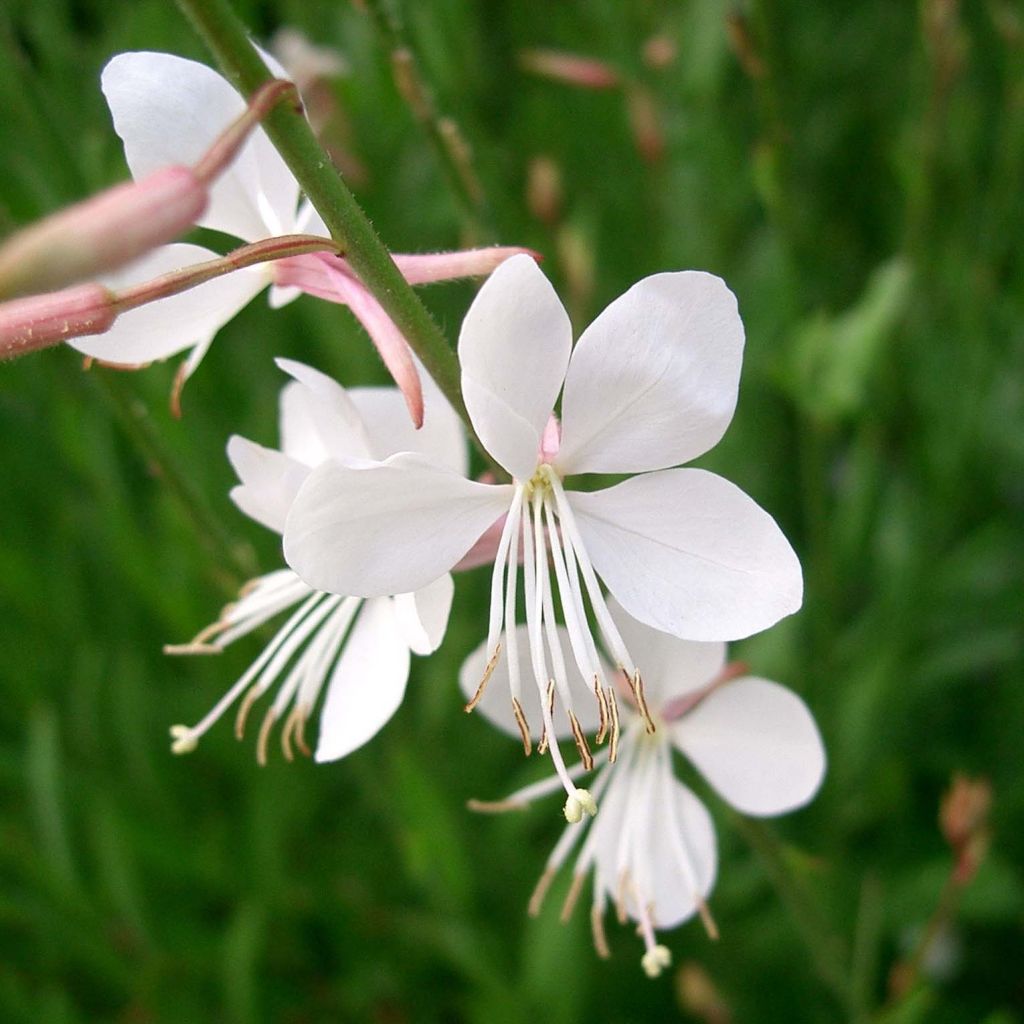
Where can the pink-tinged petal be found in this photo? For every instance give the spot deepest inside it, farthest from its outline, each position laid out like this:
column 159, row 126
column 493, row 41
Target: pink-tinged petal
column 674, row 851
column 162, row 328
column 430, row 267
column 367, row 684
column 669, row 667
column 496, row 704
column 653, row 380
column 689, row 553
column 169, row 110
column 484, row 549
column 422, row 616
column 386, row 528
column 514, row 347
column 269, row 481
column 389, row 340
column 757, row 744
column 319, row 420
column 442, row 438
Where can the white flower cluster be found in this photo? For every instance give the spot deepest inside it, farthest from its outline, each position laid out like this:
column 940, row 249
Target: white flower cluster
column 610, row 607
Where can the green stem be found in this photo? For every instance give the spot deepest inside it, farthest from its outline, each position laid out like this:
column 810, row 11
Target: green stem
column 291, row 134
column 826, row 949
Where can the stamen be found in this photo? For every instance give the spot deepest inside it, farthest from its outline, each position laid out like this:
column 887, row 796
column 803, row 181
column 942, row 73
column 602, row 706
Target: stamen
column 581, row 742
column 707, row 920
column 244, row 708
column 495, row 806
column 290, row 724
column 540, row 891
column 613, row 709
column 492, row 663
column 597, row 930
column 524, row 729
column 302, row 716
column 511, row 585
column 571, row 897
column 636, row 686
column 542, row 746
column 602, row 712
column 261, row 743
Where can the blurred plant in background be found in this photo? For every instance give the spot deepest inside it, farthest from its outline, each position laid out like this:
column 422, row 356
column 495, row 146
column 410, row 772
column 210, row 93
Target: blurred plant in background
column 855, row 176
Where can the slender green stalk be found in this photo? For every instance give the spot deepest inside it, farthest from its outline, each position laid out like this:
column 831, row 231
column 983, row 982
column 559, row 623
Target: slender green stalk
column 826, row 949
column 290, row 132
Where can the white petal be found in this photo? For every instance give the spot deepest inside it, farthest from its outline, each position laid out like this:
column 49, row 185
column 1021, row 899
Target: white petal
column 320, row 421
column 669, row 667
column 169, row 110
column 159, row 329
column 514, row 347
column 270, row 481
column 757, row 744
column 423, row 615
column 652, row 381
column 367, row 684
column 441, row 439
column 386, row 528
column 657, row 859
column 496, row 703
column 689, row 553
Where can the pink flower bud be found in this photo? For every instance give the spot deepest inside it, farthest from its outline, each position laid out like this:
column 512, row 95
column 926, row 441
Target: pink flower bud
column 586, row 72
column 102, row 233
column 42, row 320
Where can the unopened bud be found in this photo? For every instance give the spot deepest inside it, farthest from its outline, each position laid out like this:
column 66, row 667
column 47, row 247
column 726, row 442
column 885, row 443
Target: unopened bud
column 586, row 72
column 43, row 320
column 96, row 236
column 544, row 189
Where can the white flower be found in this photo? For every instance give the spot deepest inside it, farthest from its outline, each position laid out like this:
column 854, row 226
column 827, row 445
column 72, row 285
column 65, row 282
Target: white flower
column 168, row 110
column 359, row 649
column 651, row 383
column 651, row 851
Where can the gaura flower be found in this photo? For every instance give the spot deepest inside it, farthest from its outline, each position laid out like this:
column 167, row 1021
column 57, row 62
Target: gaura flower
column 651, row 383
column 651, row 851
column 359, row 650
column 168, row 110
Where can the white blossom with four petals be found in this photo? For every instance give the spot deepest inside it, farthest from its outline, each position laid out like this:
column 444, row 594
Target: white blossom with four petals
column 651, row 852
column 359, row 650
column 650, row 384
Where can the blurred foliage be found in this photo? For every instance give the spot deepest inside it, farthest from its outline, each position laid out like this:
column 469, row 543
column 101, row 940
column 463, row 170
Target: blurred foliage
column 854, row 172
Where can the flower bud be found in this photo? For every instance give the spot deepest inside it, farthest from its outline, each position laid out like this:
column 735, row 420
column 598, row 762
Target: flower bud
column 42, row 320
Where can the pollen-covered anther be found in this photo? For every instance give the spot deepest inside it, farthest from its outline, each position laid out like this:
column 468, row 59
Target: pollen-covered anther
column 581, row 742
column 578, row 803
column 636, row 686
column 488, row 672
column 184, row 740
column 524, row 728
column 655, row 960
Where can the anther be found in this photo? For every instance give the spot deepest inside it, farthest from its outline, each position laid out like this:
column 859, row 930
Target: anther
column 488, row 672
column 286, row 737
column 495, row 806
column 613, row 714
column 578, row 803
column 244, row 708
column 540, row 890
column 184, row 740
column 581, row 742
column 299, row 734
column 542, row 746
column 597, row 930
column 707, row 920
column 636, row 686
column 524, row 729
column 602, row 712
column 261, row 742
column 569, row 905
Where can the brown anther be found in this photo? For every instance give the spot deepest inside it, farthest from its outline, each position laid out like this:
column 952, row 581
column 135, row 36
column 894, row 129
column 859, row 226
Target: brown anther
column 636, row 686
column 707, row 920
column 300, row 731
column 542, row 746
column 613, row 714
column 581, row 742
column 540, row 890
column 495, row 806
column 569, row 905
column 602, row 712
column 524, row 729
column 286, row 737
column 551, row 698
column 192, row 648
column 488, row 672
column 242, row 716
column 597, row 930
column 176, row 389
column 261, row 742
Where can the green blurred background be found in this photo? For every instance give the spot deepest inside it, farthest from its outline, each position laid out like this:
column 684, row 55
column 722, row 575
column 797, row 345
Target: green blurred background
column 855, row 173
